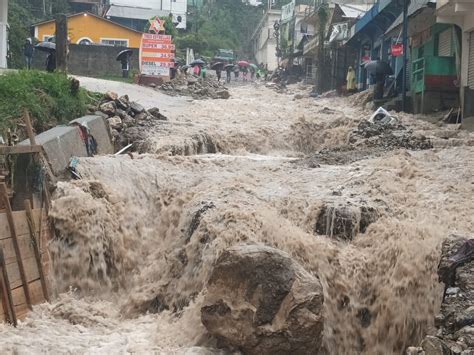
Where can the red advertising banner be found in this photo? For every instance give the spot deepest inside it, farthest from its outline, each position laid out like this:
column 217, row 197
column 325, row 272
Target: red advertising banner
column 156, row 54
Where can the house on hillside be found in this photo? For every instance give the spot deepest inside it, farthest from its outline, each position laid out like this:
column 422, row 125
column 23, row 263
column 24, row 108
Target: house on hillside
column 135, row 14
column 461, row 14
column 86, row 28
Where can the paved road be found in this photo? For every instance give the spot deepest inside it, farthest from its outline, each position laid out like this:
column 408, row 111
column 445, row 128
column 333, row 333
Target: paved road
column 146, row 96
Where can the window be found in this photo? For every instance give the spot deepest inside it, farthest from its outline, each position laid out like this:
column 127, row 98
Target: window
column 117, row 42
column 85, row 41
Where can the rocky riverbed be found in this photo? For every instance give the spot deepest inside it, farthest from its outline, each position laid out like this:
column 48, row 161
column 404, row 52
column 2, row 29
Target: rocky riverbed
column 260, row 224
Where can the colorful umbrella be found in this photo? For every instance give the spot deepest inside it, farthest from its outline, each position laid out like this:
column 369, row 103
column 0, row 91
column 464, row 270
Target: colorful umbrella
column 243, row 63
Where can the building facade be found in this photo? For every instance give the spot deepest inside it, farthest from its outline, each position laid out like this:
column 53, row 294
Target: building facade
column 3, row 33
column 264, row 42
column 135, row 14
column 461, row 14
column 86, row 28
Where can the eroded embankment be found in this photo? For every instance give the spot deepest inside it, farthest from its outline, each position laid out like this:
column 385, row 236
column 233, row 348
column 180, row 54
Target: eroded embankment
column 139, row 236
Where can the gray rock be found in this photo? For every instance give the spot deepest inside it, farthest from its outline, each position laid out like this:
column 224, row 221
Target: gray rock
column 435, row 346
column 136, row 107
column 110, row 95
column 155, row 112
column 123, row 102
column 223, row 94
column 344, row 221
column 261, row 301
column 115, row 123
column 109, row 108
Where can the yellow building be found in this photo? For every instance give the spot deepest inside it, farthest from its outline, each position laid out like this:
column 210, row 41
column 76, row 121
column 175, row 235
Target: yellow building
column 86, row 28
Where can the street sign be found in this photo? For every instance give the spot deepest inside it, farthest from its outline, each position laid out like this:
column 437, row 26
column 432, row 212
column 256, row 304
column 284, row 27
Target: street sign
column 156, row 54
column 397, row 50
column 156, row 25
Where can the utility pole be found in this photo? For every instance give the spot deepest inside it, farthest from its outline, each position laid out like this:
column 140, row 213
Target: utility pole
column 322, row 17
column 405, row 55
column 61, row 43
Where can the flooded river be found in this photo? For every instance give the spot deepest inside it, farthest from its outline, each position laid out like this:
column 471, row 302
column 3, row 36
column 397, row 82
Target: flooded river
column 140, row 233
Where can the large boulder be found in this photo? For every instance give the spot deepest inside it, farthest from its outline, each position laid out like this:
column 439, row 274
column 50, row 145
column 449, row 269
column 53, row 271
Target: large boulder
column 262, row 302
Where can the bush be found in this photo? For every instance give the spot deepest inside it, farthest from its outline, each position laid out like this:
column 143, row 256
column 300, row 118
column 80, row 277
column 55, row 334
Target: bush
column 49, row 98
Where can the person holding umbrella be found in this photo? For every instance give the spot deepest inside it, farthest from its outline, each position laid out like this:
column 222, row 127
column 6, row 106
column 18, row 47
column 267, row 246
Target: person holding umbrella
column 50, row 48
column 124, row 58
column 379, row 70
column 228, row 71
column 218, row 68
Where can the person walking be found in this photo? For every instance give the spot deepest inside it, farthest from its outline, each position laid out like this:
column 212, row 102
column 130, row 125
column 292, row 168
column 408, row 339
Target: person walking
column 219, row 73
column 245, row 71
column 28, row 50
column 228, row 72
column 51, row 62
column 236, row 72
column 351, row 80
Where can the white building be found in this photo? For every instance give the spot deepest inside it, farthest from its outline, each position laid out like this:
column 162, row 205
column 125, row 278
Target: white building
column 136, row 13
column 3, row 33
column 461, row 13
column 264, row 43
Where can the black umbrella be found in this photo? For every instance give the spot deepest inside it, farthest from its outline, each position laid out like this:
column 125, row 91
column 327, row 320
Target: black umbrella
column 124, row 53
column 197, row 62
column 46, row 47
column 217, row 65
column 229, row 66
column 378, row 67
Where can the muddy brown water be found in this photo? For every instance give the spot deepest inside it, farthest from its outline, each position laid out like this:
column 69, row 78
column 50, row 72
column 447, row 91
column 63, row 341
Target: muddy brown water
column 139, row 235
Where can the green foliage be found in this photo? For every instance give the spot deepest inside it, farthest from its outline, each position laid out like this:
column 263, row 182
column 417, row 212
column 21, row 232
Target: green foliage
column 48, row 97
column 227, row 24
column 196, row 41
column 21, row 15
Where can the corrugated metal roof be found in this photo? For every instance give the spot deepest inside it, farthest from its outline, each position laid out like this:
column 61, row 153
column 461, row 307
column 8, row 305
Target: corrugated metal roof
column 413, row 8
column 130, row 12
column 354, row 10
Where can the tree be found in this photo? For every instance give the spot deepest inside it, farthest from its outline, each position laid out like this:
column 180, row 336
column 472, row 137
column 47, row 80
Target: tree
column 21, row 15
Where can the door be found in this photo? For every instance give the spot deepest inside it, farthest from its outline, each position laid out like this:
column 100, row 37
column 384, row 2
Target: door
column 444, row 43
column 470, row 66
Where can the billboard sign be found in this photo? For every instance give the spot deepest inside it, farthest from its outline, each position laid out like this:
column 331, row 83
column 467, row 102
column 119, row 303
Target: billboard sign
column 156, row 55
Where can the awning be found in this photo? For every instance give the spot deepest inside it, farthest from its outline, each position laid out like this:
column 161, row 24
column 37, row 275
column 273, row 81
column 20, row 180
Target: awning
column 375, row 21
column 413, row 8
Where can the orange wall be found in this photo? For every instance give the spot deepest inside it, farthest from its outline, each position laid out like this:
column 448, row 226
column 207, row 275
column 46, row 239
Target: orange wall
column 91, row 27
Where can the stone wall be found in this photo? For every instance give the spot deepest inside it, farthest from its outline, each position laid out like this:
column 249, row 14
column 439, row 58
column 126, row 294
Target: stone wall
column 92, row 60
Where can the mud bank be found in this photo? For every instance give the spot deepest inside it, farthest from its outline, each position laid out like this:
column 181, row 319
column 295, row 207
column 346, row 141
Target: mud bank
column 142, row 233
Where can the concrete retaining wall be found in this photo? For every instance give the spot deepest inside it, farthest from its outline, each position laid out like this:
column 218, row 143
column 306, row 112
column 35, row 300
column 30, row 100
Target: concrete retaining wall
column 63, row 142
column 93, row 60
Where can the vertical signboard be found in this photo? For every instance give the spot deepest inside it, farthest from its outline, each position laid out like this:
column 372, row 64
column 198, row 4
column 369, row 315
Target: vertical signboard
column 156, row 55
column 288, row 11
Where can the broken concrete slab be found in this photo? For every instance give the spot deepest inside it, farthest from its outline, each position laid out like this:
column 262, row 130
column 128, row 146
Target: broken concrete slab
column 60, row 144
column 99, row 130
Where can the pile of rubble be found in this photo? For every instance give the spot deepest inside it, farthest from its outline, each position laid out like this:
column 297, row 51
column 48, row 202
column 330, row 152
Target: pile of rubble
column 126, row 118
column 388, row 136
column 196, row 88
column 455, row 322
